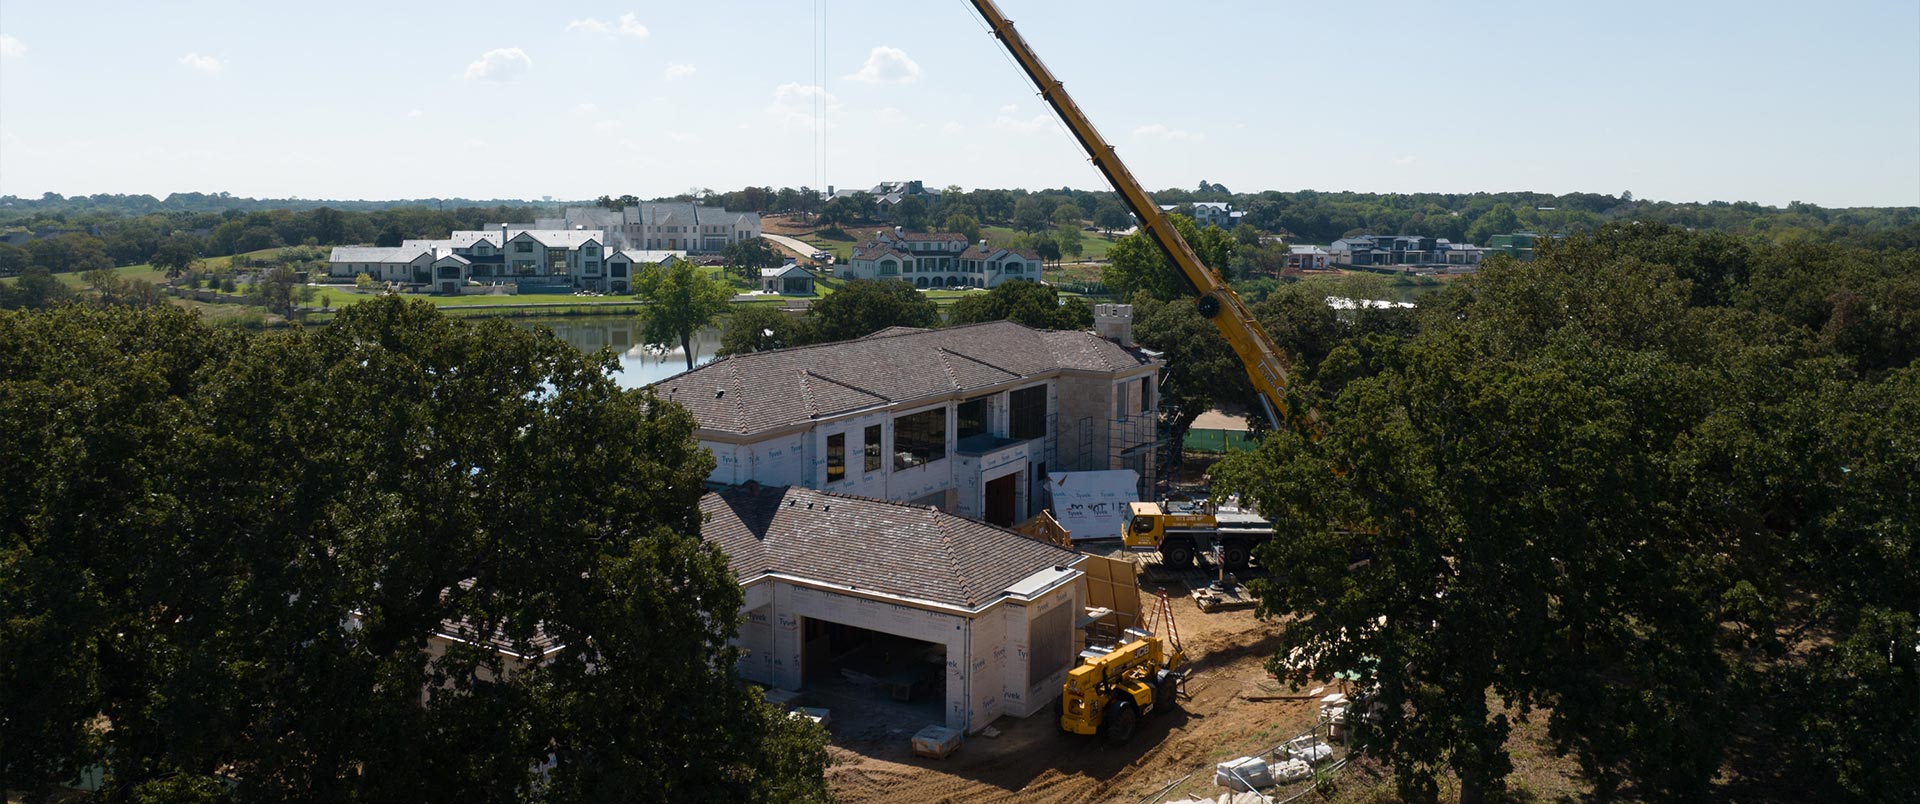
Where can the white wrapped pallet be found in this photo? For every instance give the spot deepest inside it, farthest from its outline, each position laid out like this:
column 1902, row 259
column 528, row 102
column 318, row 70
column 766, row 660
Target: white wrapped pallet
column 1291, row 770
column 1245, row 773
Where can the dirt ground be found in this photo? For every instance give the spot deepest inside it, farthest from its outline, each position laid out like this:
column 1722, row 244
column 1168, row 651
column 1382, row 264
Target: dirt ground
column 1032, row 761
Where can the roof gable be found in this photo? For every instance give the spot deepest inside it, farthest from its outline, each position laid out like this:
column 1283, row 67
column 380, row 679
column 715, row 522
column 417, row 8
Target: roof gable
column 870, row 545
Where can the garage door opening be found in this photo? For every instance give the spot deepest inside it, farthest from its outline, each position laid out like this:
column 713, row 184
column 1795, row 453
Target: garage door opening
column 1003, row 500
column 886, row 675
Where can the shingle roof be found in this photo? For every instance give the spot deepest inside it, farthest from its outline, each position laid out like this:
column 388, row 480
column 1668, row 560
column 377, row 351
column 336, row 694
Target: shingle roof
column 375, row 254
column 763, row 391
column 896, row 549
column 910, row 236
column 561, row 238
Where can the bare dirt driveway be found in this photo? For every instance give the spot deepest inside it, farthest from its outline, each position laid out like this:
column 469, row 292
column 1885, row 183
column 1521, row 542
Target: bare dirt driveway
column 1031, row 761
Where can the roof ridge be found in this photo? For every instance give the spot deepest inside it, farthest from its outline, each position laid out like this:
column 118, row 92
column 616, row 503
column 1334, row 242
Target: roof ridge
column 952, row 546
column 953, row 377
column 848, row 385
column 740, row 407
column 978, row 360
column 806, row 396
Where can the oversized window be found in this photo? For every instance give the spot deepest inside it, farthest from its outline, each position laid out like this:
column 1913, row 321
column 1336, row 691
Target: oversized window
column 972, row 418
column 523, row 247
column 919, row 438
column 836, row 457
column 1027, row 412
column 1051, row 637
column 872, row 448
column 1146, row 394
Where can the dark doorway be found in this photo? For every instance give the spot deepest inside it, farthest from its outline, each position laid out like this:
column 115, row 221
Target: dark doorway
column 1001, row 498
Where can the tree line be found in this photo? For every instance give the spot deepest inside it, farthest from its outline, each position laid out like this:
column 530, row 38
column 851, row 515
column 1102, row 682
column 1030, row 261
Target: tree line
column 1655, row 489
column 223, row 555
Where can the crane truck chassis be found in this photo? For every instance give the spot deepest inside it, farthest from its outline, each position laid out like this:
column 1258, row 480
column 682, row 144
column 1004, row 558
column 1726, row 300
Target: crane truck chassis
column 1182, row 530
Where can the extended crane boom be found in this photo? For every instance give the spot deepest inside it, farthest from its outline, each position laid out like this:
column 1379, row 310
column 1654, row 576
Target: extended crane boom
column 1265, row 364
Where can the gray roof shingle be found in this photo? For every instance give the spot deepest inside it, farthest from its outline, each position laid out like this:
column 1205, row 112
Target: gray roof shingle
column 892, row 548
column 763, row 391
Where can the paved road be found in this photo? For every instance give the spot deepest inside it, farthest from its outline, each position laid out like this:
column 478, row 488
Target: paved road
column 799, row 249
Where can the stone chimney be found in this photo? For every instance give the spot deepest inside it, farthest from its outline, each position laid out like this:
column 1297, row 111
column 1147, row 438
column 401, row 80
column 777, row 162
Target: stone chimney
column 1114, row 322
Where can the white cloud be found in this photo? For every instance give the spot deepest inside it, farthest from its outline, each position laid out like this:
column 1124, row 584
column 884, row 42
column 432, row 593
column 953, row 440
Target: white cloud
column 1403, row 161
column 11, row 47
column 627, row 25
column 1015, row 125
column 793, row 104
column 887, row 65
column 415, row 113
column 1010, row 108
column 585, row 108
column 500, row 64
column 681, row 136
column 1157, row 131
column 202, row 64
column 679, row 71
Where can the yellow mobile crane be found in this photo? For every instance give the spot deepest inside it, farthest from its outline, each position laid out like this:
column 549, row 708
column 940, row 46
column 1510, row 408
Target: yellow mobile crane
column 1177, row 534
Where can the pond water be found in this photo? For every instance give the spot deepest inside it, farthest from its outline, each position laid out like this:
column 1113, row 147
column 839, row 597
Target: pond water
column 640, row 364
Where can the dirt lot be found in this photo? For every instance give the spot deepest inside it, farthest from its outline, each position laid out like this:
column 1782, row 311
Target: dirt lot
column 1031, row 761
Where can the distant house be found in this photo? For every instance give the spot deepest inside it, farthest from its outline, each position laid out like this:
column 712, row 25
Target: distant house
column 626, row 265
column 535, row 260
column 788, row 280
column 1216, row 213
column 887, row 195
column 673, row 226
column 1519, row 245
column 939, row 260
column 1307, row 258
column 1402, row 252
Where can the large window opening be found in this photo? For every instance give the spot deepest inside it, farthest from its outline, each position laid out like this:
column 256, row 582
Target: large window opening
column 972, row 418
column 1027, row 413
column 872, row 448
column 919, row 438
column 836, row 457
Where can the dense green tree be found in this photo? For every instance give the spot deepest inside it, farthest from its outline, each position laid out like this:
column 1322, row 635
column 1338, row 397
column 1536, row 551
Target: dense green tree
column 911, row 213
column 13, row 259
column 1066, row 213
column 1136, row 264
column 681, row 301
column 1499, row 220
column 1112, row 216
column 175, row 254
column 964, row 225
column 1030, row 303
column 759, row 328
column 749, row 256
column 1069, row 240
column 1202, row 371
column 35, row 289
column 210, row 544
column 1032, row 214
column 73, row 252
column 864, row 306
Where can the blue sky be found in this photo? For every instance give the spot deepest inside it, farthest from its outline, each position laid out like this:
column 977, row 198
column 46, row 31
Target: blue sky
column 1757, row 100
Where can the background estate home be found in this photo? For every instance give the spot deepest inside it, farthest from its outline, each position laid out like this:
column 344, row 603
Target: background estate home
column 967, row 419
column 939, row 260
column 657, row 226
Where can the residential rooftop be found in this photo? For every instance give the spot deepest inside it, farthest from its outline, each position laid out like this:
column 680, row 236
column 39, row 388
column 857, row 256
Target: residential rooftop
column 767, row 391
column 873, row 546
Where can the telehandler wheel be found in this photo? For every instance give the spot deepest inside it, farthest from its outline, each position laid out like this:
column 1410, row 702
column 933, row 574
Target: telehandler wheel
column 1122, row 717
column 1166, row 694
column 1177, row 554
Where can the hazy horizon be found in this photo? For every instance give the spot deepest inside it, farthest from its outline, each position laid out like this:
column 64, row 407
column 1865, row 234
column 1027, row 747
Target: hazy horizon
column 1767, row 102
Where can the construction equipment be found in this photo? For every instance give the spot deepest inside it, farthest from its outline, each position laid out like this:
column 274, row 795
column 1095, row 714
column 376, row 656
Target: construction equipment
column 1113, row 687
column 1264, row 361
column 1180, row 530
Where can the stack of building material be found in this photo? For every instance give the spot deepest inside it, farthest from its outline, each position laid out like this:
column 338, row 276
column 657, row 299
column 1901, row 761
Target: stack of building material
column 936, row 742
column 1308, row 749
column 1291, row 770
column 1245, row 773
column 1228, row 798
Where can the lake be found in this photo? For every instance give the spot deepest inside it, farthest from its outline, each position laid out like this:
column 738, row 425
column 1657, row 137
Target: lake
column 640, row 365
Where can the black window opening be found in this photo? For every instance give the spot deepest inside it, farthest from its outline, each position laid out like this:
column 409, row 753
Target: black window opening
column 919, row 438
column 1146, row 394
column 836, row 457
column 1027, row 413
column 972, row 418
column 872, row 448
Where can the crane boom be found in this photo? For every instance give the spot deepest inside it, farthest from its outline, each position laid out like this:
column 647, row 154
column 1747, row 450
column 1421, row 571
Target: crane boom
column 1265, row 363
